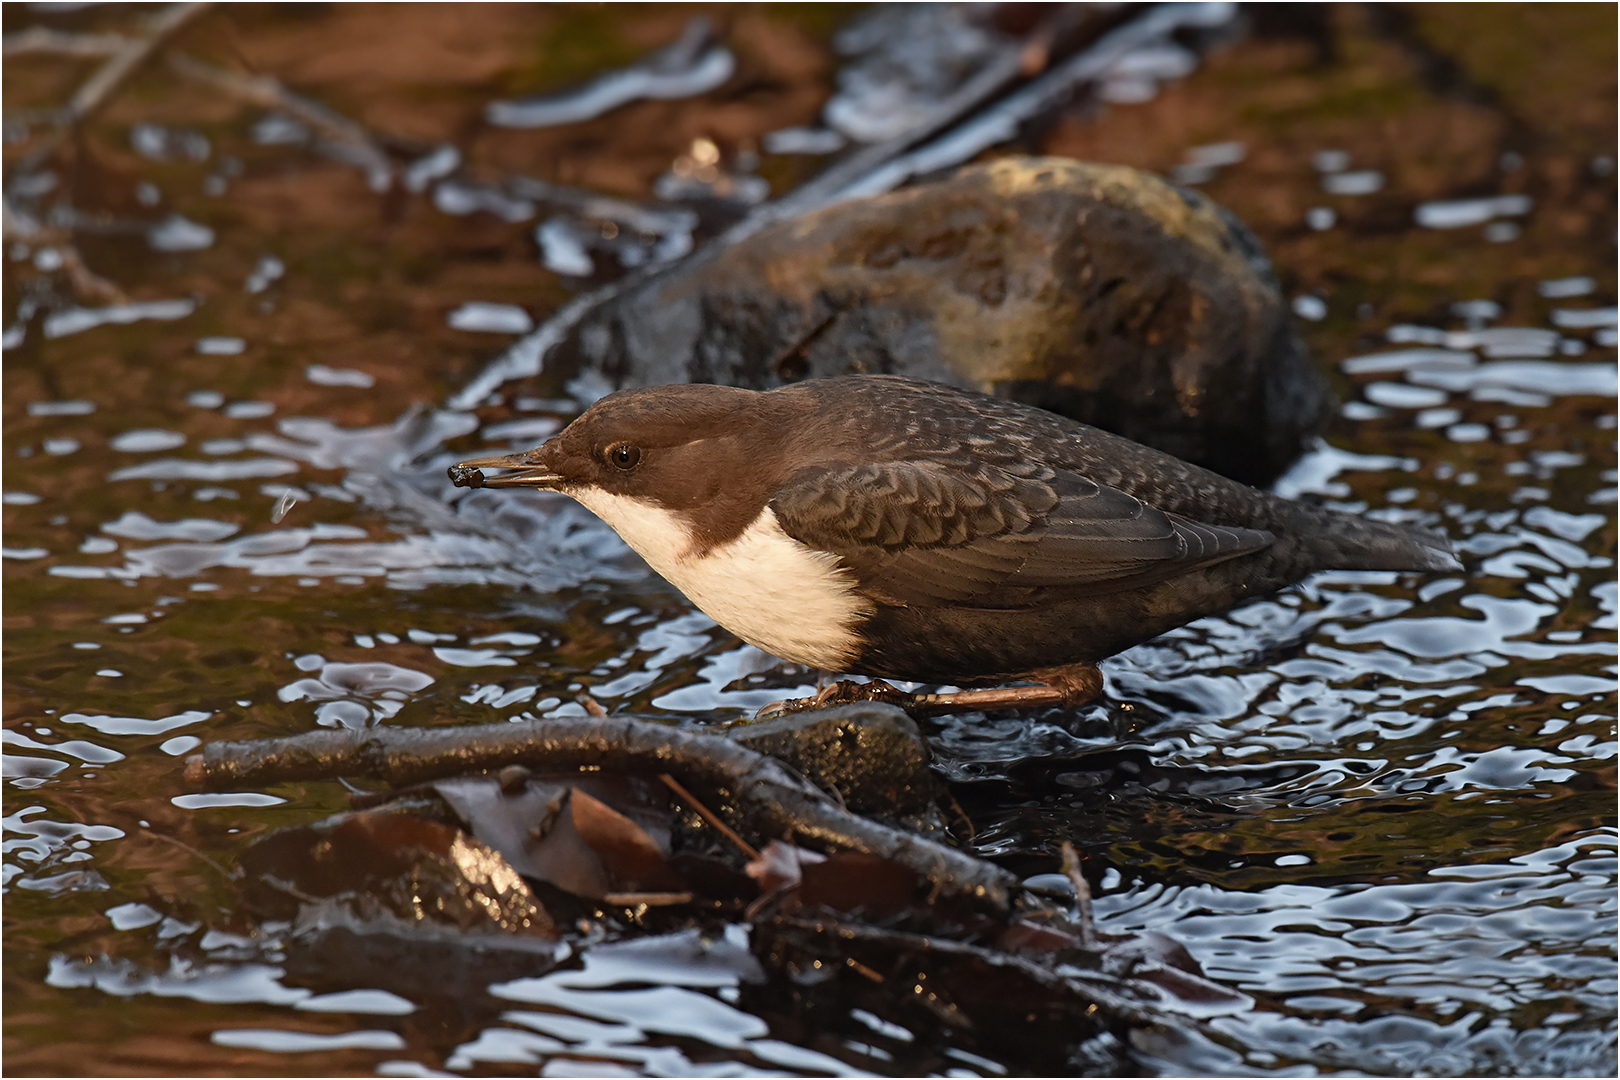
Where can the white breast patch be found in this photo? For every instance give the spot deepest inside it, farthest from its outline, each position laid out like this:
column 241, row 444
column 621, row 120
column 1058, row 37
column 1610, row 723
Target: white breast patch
column 767, row 588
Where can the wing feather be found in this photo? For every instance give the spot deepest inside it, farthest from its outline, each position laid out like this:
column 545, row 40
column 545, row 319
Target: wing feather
column 924, row 533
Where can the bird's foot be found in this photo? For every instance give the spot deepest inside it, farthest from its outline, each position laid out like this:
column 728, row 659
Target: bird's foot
column 841, row 692
column 1066, row 687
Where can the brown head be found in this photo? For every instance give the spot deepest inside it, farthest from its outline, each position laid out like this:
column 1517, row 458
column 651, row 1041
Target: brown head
column 683, row 448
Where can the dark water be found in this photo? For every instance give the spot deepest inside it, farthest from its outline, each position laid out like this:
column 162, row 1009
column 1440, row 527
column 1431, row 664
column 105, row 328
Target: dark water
column 1382, row 805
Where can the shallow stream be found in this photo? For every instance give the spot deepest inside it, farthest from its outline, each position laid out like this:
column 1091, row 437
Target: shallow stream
column 1382, row 805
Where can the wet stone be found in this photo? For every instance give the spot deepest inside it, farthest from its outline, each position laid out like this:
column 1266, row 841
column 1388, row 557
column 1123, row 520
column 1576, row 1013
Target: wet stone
column 1098, row 291
column 870, row 753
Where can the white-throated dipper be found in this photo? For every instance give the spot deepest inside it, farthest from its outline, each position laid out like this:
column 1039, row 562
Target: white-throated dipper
column 885, row 526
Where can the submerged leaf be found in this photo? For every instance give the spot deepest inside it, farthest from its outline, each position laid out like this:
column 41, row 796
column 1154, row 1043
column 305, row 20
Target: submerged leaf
column 392, row 862
column 588, row 835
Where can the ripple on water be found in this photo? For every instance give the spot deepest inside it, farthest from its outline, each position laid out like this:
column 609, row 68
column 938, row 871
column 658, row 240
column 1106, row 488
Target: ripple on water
column 1438, row 637
column 37, row 839
column 217, row 983
column 75, row 320
column 322, row 375
column 134, row 725
column 135, row 525
column 147, row 440
column 211, row 472
column 354, row 695
column 61, row 408
column 1534, row 376
column 1377, row 802
column 1435, row 945
column 219, row 346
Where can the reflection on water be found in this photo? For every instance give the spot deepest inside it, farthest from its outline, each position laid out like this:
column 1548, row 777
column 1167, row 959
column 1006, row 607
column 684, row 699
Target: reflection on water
column 1380, row 804
column 1471, row 965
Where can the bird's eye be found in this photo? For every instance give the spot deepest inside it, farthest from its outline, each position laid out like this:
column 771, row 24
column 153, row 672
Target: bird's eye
column 623, row 455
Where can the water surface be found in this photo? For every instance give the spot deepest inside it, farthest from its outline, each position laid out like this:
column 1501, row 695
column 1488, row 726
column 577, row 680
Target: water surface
column 1382, row 805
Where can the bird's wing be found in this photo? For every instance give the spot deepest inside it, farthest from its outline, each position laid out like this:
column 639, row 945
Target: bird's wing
column 920, row 533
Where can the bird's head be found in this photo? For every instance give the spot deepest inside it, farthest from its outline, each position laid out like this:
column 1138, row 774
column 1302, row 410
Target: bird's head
column 683, row 448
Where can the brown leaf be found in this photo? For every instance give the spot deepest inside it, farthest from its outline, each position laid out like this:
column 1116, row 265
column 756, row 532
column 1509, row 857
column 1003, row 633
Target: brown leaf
column 587, row 835
column 629, row 854
column 562, row 858
column 506, row 820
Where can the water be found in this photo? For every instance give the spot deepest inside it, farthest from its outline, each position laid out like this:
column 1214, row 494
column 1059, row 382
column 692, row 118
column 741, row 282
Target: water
column 1382, row 806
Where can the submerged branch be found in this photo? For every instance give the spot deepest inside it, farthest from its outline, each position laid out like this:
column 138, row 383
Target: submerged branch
column 101, row 87
column 269, row 93
column 42, row 40
column 1093, row 986
column 774, row 800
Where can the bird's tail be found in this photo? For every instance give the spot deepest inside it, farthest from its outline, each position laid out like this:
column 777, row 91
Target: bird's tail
column 1349, row 542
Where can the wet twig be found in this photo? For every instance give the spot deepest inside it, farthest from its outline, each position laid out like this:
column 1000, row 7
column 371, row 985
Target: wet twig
column 125, row 57
column 44, row 40
column 88, row 286
column 1083, row 916
column 1112, row 982
column 366, row 149
column 1094, row 987
column 188, row 849
column 709, row 815
column 86, row 283
column 995, row 117
column 770, row 797
column 269, row 93
column 99, row 90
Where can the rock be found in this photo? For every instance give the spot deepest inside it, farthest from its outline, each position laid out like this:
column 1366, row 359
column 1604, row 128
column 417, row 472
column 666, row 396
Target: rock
column 871, row 754
column 1098, row 291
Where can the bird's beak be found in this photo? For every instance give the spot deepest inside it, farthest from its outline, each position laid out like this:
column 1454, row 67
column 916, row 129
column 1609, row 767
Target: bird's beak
column 526, row 470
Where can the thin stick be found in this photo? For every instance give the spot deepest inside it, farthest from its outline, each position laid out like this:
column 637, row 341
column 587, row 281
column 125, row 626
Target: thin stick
column 269, row 93
column 99, row 90
column 647, row 899
column 87, row 284
column 1082, row 896
column 710, row 816
column 42, row 39
column 1098, row 988
column 188, row 849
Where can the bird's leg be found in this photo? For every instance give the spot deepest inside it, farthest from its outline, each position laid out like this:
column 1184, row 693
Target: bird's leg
column 1071, row 687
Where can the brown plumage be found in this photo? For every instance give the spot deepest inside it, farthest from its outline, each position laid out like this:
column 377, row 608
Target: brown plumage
column 978, row 540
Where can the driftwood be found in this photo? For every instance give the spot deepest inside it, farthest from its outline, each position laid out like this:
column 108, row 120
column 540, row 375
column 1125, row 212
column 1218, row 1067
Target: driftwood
column 772, row 799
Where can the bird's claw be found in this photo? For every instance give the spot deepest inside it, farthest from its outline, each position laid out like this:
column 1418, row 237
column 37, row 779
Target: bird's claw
column 841, row 692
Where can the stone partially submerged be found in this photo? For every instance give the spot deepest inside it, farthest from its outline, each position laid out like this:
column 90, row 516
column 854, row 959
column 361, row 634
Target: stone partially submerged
column 1098, row 291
